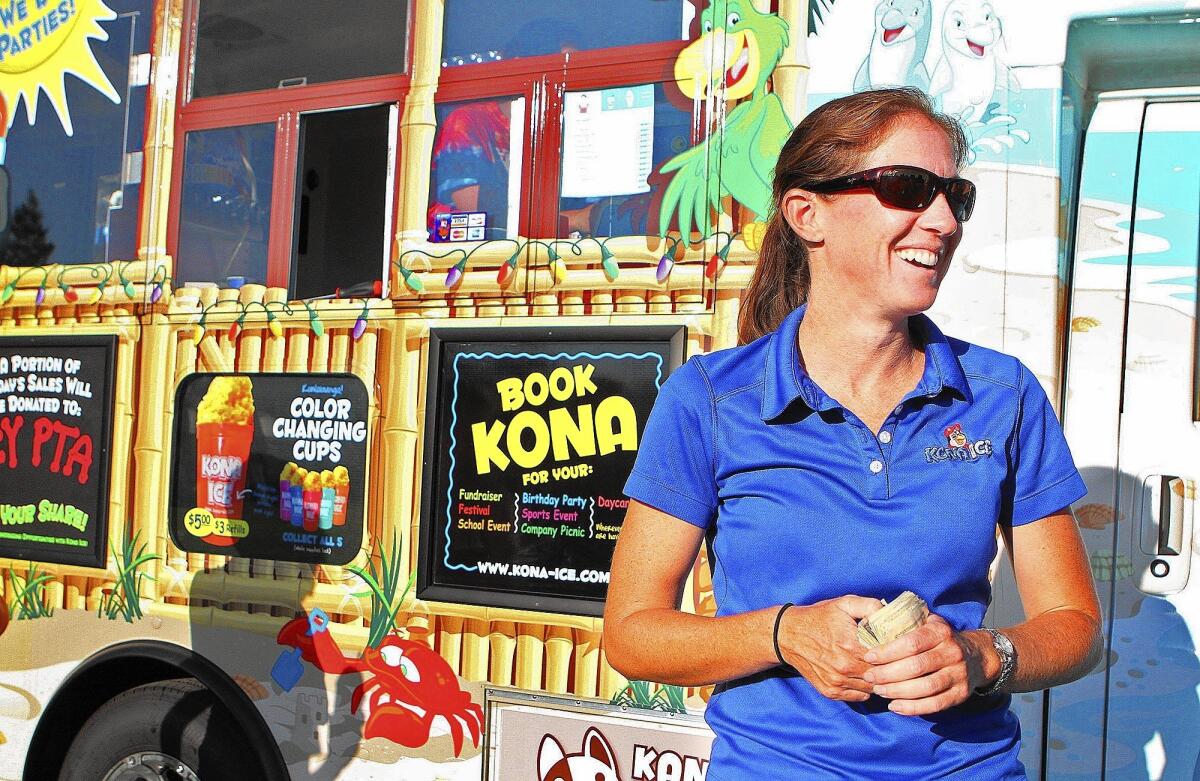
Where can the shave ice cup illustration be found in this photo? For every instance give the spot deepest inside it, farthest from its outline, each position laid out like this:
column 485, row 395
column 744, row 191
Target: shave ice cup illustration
column 296, row 495
column 285, row 491
column 325, row 520
column 224, row 433
column 341, row 491
column 311, row 501
column 335, row 488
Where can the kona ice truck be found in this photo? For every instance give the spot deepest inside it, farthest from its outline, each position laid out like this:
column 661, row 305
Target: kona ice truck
column 328, row 333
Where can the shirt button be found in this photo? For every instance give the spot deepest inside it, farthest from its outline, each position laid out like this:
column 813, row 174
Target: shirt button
column 885, row 437
column 876, row 467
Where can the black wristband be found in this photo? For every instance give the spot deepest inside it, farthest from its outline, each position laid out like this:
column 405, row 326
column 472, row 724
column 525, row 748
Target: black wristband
column 775, row 632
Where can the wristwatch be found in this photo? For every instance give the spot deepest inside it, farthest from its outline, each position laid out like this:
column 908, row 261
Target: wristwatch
column 1008, row 662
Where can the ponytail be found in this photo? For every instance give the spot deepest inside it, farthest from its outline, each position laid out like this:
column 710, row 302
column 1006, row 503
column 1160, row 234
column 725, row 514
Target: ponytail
column 779, row 284
column 833, row 140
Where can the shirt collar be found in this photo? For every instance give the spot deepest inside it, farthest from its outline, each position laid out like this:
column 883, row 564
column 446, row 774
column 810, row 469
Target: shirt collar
column 787, row 381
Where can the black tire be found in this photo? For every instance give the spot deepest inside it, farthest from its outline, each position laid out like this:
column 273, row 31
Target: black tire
column 179, row 719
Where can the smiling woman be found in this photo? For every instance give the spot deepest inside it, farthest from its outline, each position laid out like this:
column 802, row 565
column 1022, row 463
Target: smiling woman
column 840, row 457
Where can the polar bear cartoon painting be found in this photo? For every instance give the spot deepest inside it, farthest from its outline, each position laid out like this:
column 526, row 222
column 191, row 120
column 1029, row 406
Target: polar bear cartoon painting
column 971, row 73
column 596, row 762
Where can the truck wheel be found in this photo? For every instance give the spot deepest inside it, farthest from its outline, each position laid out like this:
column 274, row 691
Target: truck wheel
column 174, row 730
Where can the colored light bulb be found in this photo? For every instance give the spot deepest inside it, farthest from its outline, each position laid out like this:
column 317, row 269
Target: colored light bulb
column 360, row 327
column 130, row 290
column 611, row 269
column 712, row 267
column 234, row 328
column 413, row 282
column 609, row 264
column 70, row 293
column 7, row 292
column 274, row 326
column 455, row 274
column 40, row 297
column 317, row 326
column 197, row 333
column 665, row 264
column 94, row 296
column 156, row 293
column 505, row 275
column 558, row 270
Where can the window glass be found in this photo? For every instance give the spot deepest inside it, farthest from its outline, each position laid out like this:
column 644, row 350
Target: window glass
column 614, row 140
column 74, row 164
column 341, row 195
column 225, row 204
column 251, row 46
column 491, row 30
column 476, row 170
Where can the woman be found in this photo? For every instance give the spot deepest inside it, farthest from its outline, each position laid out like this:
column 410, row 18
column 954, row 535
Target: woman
column 847, row 452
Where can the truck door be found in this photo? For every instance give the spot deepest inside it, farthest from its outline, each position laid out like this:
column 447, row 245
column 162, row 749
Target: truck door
column 1131, row 415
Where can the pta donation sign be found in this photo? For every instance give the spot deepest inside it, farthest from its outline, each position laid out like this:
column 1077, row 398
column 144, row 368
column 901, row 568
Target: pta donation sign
column 56, row 407
column 528, row 442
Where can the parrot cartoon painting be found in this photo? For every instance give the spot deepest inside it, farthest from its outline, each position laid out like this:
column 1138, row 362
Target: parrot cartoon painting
column 736, row 52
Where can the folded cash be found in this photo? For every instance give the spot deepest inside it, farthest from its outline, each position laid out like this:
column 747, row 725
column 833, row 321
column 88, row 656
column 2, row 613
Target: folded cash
column 900, row 616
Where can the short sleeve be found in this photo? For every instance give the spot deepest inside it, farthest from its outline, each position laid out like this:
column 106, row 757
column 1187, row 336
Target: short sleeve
column 673, row 472
column 1043, row 477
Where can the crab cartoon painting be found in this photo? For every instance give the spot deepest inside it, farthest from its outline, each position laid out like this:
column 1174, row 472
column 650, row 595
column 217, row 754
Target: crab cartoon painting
column 407, row 686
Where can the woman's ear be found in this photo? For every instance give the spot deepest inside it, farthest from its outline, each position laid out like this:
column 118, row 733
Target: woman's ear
column 801, row 209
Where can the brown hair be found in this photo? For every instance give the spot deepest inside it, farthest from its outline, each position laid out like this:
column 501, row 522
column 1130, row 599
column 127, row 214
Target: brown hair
column 831, row 141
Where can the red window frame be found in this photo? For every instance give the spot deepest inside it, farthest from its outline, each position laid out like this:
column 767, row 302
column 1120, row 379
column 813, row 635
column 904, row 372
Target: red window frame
column 543, row 80
column 283, row 106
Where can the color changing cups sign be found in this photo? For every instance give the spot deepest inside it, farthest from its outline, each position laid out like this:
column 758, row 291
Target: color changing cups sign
column 270, row 466
column 529, row 439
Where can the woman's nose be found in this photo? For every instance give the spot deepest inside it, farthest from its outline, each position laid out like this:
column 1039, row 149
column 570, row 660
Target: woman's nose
column 939, row 217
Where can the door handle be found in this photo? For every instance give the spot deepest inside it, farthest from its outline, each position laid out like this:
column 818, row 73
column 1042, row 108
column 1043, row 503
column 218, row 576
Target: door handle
column 1162, row 557
column 1169, row 509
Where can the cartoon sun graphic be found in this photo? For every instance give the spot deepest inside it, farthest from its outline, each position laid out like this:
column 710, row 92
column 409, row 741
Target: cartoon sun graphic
column 39, row 48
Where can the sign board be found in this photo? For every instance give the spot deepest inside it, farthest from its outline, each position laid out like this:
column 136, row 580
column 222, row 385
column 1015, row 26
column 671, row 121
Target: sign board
column 530, row 434
column 270, row 466
column 460, row 226
column 608, row 141
column 545, row 737
column 56, row 409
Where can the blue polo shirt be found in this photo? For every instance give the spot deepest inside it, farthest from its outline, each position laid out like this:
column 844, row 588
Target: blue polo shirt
column 802, row 502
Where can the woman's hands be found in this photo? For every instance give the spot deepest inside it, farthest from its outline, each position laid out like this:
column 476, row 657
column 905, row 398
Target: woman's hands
column 821, row 642
column 928, row 670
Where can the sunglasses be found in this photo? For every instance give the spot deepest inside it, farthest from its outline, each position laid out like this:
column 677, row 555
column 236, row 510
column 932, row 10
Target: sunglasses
column 906, row 187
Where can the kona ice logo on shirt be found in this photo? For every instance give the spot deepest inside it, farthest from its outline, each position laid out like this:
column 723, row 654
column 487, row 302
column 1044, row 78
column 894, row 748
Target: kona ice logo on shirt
column 958, row 447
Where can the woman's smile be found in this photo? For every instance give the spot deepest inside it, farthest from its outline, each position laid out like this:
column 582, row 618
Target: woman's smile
column 923, row 258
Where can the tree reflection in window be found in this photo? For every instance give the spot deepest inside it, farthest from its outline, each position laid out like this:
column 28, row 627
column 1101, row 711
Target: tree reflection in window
column 225, row 206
